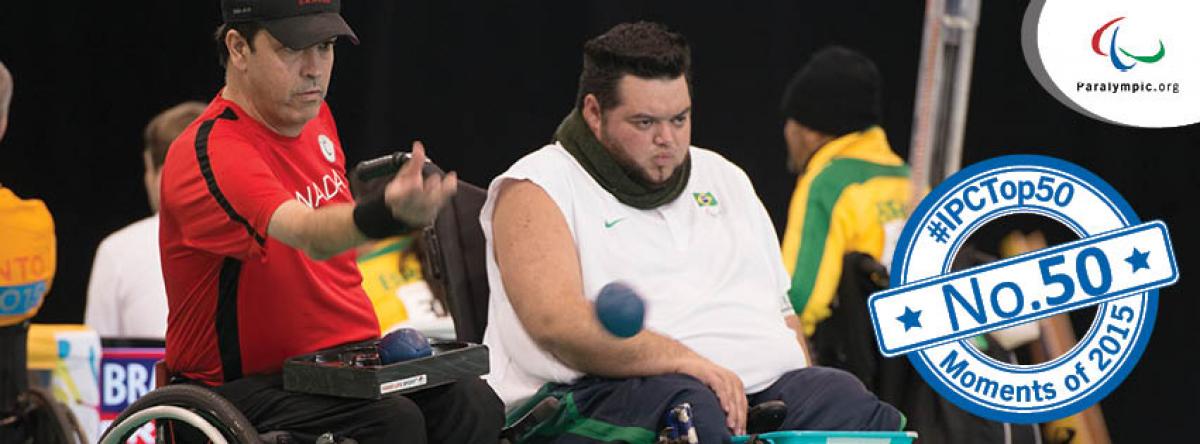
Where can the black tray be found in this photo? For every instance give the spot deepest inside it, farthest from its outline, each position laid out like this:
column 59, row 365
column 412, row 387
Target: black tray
column 332, row 372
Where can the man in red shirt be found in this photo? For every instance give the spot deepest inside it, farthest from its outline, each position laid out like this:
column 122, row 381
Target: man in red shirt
column 257, row 231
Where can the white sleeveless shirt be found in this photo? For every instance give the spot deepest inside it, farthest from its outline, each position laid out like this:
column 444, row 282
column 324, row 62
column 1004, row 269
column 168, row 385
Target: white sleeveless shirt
column 707, row 264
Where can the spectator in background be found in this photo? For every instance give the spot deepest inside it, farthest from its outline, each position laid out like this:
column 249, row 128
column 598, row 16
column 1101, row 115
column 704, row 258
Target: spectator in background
column 126, row 297
column 851, row 193
column 27, row 259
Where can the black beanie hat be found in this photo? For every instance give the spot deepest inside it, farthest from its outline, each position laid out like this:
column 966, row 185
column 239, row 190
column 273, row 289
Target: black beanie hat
column 837, row 92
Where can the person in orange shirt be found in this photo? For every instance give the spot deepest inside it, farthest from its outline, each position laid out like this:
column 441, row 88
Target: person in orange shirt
column 26, row 270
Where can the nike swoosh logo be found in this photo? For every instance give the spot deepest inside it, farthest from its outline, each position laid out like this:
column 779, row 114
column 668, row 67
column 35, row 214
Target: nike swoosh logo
column 609, row 224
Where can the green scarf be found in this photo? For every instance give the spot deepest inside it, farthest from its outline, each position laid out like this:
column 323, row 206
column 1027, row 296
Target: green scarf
column 577, row 138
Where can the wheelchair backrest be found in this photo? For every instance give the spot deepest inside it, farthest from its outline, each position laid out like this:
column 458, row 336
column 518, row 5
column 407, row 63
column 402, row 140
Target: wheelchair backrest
column 454, row 261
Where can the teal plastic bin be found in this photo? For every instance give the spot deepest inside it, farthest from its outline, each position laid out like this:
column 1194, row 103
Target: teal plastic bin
column 811, row 437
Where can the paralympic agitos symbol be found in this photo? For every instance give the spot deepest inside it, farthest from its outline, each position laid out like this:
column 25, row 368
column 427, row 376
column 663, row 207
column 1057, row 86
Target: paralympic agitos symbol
column 1113, row 48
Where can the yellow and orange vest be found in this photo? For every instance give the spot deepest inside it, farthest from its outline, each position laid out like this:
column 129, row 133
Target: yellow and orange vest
column 27, row 256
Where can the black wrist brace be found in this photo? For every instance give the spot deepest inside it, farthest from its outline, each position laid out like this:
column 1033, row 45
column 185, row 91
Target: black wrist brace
column 374, row 219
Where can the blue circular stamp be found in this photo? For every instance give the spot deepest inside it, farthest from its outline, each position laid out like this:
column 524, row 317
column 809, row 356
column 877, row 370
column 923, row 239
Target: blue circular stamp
column 930, row 313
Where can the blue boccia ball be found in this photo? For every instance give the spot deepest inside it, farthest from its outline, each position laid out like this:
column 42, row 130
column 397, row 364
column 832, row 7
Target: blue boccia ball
column 620, row 309
column 402, row 345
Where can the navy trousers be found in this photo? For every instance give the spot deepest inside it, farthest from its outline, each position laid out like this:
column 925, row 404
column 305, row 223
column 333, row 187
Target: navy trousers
column 632, row 410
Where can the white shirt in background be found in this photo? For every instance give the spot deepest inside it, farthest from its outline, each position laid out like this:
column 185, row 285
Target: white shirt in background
column 126, row 297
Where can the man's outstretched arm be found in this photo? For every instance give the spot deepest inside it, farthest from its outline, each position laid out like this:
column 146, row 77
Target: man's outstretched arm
column 540, row 270
column 329, row 231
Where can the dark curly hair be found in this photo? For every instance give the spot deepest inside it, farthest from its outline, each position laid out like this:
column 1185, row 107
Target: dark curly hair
column 643, row 49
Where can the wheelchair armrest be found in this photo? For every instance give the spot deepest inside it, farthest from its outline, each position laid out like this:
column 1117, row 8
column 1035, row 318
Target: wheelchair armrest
column 162, row 376
column 765, row 417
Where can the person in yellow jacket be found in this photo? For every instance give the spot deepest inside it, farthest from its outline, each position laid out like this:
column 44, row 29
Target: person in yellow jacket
column 392, row 279
column 852, row 192
column 27, row 258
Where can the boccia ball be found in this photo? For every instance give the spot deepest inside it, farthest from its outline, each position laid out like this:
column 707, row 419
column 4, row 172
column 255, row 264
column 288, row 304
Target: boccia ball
column 402, row 345
column 620, row 309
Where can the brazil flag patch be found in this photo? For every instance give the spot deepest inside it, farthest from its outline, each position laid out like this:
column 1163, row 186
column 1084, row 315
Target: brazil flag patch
column 705, row 199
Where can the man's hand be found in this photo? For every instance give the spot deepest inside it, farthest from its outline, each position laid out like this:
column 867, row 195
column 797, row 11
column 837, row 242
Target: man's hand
column 416, row 201
column 726, row 384
column 540, row 270
column 330, row 230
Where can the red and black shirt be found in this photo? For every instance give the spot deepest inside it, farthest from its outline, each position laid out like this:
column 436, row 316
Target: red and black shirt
column 241, row 302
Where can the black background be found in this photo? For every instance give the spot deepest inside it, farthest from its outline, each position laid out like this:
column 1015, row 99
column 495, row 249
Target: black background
column 484, row 82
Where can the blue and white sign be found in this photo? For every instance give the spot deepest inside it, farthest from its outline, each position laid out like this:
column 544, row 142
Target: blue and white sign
column 1117, row 265
column 125, row 375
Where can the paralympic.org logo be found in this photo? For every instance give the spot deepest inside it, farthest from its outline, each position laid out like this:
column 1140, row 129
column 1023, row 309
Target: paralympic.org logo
column 1113, row 48
column 1114, row 57
column 1110, row 61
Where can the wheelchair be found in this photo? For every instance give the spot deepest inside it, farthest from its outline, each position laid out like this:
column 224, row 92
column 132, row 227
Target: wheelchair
column 454, row 265
column 30, row 414
column 456, row 269
column 39, row 418
column 215, row 418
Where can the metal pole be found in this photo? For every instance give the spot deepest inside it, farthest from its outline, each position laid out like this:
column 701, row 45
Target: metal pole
column 943, row 87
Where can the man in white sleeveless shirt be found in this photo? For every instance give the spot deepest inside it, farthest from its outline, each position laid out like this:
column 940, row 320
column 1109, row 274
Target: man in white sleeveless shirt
column 622, row 195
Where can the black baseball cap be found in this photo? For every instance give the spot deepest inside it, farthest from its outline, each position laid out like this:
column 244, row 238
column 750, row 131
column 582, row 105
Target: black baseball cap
column 297, row 24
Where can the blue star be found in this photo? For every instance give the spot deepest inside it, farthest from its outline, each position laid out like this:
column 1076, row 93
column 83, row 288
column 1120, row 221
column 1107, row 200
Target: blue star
column 1138, row 260
column 910, row 318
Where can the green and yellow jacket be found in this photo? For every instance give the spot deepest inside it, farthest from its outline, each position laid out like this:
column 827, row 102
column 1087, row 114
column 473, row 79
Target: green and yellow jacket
column 852, row 197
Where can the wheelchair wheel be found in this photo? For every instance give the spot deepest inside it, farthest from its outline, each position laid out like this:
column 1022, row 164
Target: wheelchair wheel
column 45, row 420
column 215, row 417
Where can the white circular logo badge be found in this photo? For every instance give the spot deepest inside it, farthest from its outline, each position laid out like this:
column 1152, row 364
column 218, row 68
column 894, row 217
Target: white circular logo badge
column 327, row 148
column 930, row 314
column 1120, row 61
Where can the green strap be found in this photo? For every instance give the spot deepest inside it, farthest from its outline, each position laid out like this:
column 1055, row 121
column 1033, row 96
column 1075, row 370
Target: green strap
column 399, row 245
column 546, row 390
column 568, row 420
